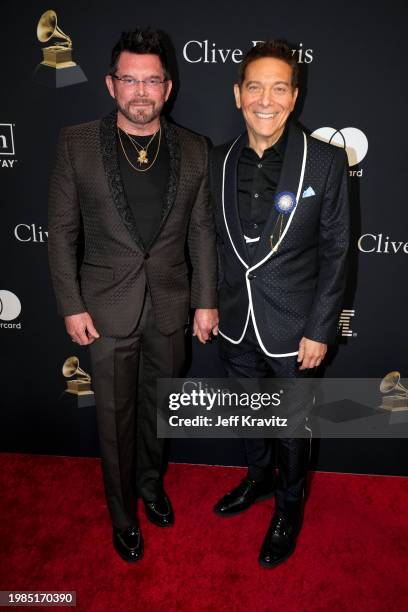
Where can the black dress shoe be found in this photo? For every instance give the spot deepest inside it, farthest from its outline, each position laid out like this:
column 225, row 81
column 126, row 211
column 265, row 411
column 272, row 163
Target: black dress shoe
column 128, row 543
column 243, row 496
column 160, row 512
column 280, row 539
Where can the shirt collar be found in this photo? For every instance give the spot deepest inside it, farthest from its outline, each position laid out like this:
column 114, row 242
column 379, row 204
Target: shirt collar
column 276, row 149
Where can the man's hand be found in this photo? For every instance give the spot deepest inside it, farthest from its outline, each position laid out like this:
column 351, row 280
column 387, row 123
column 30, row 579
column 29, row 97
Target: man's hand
column 205, row 323
column 81, row 328
column 311, row 353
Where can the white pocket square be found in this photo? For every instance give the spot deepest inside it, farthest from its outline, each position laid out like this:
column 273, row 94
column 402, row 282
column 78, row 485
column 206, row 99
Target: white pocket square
column 308, row 192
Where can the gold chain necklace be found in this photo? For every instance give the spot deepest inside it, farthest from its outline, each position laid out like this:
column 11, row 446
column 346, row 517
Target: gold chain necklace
column 274, row 247
column 142, row 159
column 142, row 151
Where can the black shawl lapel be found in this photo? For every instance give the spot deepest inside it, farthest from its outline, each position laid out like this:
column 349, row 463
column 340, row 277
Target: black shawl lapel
column 230, row 198
column 109, row 139
column 173, row 145
column 288, row 181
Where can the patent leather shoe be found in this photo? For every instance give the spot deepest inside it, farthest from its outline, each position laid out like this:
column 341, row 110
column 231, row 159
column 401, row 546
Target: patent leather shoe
column 280, row 539
column 160, row 512
column 243, row 496
column 128, row 543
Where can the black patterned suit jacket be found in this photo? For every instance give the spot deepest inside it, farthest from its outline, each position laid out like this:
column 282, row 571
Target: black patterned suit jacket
column 87, row 204
column 296, row 290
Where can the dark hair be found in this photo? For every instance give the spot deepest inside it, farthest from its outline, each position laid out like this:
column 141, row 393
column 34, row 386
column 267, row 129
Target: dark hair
column 143, row 41
column 278, row 49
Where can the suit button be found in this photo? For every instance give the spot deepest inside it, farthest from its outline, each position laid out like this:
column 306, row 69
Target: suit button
column 146, row 255
column 251, row 276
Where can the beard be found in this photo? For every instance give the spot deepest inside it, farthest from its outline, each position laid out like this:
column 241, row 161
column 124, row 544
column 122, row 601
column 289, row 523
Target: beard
column 139, row 115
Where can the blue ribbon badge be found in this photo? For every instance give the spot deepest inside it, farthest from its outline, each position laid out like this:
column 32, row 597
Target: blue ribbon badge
column 285, row 202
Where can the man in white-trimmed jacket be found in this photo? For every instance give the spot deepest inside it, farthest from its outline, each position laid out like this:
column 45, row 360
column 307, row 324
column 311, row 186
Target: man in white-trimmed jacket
column 282, row 216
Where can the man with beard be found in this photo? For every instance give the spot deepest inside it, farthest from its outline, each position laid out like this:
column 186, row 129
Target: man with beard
column 131, row 192
column 283, row 226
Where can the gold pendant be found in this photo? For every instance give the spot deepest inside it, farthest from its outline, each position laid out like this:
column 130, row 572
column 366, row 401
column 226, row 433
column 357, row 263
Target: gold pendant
column 142, row 159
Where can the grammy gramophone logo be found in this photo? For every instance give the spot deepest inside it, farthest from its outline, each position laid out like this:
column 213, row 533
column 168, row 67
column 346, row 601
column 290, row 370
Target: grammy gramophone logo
column 81, row 385
column 57, row 68
column 395, row 395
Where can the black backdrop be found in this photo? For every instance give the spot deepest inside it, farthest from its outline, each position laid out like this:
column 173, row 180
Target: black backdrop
column 352, row 57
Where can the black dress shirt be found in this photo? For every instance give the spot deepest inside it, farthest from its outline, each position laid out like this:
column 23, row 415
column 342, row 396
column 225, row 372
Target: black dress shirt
column 145, row 191
column 257, row 181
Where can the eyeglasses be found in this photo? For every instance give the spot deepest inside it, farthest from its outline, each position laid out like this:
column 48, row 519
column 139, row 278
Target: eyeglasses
column 151, row 83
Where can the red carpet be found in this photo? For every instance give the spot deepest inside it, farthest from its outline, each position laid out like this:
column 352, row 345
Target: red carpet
column 55, row 535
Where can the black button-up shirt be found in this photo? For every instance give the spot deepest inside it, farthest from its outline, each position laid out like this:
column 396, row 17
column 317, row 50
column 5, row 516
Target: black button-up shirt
column 257, row 181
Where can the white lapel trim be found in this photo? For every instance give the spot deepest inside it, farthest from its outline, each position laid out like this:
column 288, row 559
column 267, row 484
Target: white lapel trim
column 223, row 204
column 243, row 333
column 251, row 306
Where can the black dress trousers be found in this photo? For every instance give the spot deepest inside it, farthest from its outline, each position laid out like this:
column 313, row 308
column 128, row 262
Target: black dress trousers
column 125, row 373
column 291, row 454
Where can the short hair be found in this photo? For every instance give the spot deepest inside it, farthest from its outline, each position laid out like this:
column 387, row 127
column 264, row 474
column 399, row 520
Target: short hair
column 143, row 41
column 279, row 49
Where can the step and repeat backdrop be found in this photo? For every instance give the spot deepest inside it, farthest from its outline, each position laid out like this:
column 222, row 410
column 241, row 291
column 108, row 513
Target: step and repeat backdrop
column 353, row 94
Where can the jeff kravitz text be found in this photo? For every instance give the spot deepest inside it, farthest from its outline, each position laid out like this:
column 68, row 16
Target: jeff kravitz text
column 231, row 421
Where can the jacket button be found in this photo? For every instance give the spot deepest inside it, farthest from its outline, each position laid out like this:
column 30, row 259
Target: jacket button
column 146, row 255
column 251, row 276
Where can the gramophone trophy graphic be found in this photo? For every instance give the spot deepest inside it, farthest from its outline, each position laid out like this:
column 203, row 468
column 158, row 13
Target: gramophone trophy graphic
column 57, row 68
column 80, row 385
column 397, row 401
